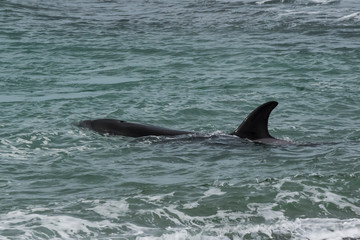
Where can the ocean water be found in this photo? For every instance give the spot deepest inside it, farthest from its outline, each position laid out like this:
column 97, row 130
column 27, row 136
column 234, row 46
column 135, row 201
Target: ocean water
column 188, row 65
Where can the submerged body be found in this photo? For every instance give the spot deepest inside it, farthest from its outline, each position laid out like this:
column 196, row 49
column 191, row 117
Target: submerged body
column 254, row 127
column 128, row 129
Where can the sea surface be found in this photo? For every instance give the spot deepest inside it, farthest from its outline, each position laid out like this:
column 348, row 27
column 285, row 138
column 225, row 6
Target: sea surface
column 197, row 65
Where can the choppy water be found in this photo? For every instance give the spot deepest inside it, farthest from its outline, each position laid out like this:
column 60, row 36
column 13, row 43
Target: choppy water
column 191, row 65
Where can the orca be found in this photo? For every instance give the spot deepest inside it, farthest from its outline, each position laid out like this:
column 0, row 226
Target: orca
column 253, row 128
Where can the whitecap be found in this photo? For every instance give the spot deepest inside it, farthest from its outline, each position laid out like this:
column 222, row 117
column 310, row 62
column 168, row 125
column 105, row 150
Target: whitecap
column 213, row 191
column 155, row 199
column 26, row 225
column 352, row 16
column 324, row 1
column 111, row 208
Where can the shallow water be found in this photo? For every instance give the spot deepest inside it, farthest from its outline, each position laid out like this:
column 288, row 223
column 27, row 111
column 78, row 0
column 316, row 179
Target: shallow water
column 188, row 65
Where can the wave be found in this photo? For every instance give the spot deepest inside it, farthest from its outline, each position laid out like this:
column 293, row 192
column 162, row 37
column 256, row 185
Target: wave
column 165, row 216
column 38, row 224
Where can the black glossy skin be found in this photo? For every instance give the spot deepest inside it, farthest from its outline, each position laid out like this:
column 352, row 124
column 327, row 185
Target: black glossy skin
column 254, row 127
column 128, row 129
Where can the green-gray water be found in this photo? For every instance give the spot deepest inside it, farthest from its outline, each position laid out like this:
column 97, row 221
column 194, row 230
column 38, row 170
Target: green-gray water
column 188, row 65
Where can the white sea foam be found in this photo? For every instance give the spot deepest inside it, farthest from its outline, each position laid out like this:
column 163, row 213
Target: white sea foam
column 319, row 228
column 324, row 1
column 236, row 224
column 317, row 194
column 352, row 16
column 58, row 227
column 155, row 199
column 112, row 209
column 213, row 192
column 10, row 151
column 311, row 229
column 221, row 225
column 304, row 1
column 191, row 205
column 266, row 211
column 182, row 224
column 263, row 2
column 329, row 197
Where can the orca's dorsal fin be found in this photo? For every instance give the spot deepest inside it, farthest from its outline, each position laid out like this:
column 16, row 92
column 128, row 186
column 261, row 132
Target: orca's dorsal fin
column 255, row 125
